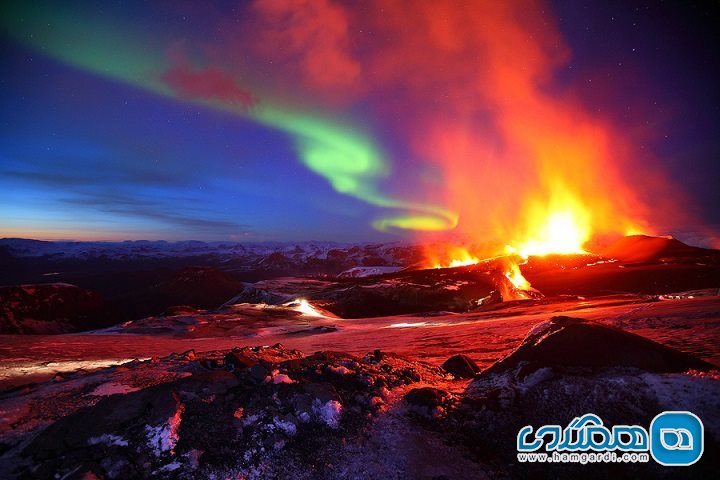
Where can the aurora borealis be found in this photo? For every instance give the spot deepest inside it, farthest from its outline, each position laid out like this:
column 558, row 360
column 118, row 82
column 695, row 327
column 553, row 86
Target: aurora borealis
column 329, row 120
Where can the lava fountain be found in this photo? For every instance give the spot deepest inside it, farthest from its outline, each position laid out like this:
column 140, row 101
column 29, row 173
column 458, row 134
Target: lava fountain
column 564, row 232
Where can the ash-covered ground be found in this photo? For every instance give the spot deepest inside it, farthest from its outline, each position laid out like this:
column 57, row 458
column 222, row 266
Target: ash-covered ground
column 388, row 372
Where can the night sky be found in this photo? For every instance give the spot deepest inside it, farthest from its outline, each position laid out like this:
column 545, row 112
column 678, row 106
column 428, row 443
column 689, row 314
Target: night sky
column 281, row 120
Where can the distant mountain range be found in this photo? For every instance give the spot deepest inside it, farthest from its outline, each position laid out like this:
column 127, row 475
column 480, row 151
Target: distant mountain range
column 265, row 255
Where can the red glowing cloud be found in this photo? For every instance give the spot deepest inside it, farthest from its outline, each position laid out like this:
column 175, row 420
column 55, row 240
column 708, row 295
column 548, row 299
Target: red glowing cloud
column 311, row 37
column 207, row 84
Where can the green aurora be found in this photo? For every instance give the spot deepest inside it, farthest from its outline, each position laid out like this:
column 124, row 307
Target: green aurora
column 350, row 161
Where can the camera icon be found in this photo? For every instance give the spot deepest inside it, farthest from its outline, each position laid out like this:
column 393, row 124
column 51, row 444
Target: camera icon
column 676, row 438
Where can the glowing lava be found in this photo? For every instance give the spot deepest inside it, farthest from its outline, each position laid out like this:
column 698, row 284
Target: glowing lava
column 304, row 307
column 516, row 277
column 562, row 232
column 456, row 257
column 459, row 263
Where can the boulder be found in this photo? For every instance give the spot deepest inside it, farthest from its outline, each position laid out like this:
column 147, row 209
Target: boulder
column 461, row 366
column 576, row 342
column 237, row 361
column 427, row 397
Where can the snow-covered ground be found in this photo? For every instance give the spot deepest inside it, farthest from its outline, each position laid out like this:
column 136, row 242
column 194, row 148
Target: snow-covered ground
column 217, row 410
column 688, row 324
column 357, row 272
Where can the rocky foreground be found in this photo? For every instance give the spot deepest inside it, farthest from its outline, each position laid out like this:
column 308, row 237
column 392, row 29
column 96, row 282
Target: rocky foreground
column 272, row 412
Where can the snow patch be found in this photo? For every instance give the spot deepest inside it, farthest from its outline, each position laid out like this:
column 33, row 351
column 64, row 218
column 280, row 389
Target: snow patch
column 282, row 378
column 171, row 467
column 163, row 438
column 341, row 370
column 536, row 377
column 361, row 272
column 108, row 439
column 539, row 329
column 250, row 419
column 112, row 388
column 329, row 412
column 286, row 426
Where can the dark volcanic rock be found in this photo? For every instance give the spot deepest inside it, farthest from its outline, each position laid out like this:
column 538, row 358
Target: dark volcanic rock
column 568, row 367
column 427, row 401
column 236, row 360
column 461, row 366
column 575, row 342
column 115, row 415
column 180, row 292
column 448, row 289
column 48, row 309
column 287, row 420
column 330, row 415
column 252, row 294
column 179, row 310
column 199, row 287
column 426, row 397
